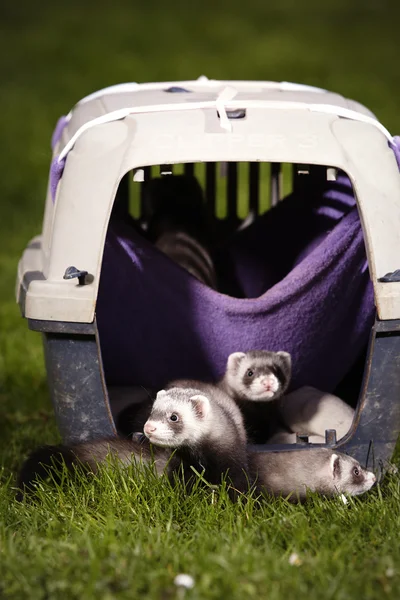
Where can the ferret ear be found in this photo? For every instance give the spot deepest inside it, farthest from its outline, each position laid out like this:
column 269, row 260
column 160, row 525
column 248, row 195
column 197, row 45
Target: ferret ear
column 201, row 405
column 160, row 397
column 335, row 465
column 234, row 360
column 285, row 357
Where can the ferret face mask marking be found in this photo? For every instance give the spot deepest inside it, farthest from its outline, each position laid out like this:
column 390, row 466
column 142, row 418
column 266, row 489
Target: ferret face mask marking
column 349, row 476
column 258, row 375
column 178, row 417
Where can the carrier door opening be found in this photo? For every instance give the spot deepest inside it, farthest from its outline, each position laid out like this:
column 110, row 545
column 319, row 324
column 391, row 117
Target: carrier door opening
column 286, row 248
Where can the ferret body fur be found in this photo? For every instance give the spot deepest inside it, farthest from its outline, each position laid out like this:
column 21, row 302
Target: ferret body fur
column 88, row 455
column 310, row 411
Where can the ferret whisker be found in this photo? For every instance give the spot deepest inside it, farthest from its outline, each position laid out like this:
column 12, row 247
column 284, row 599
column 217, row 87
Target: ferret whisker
column 147, row 392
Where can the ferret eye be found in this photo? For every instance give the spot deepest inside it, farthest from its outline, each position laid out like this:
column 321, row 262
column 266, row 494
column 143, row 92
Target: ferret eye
column 356, row 471
column 174, row 417
column 250, row 373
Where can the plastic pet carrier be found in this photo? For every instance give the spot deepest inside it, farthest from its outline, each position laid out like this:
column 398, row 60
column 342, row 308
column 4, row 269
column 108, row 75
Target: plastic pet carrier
column 304, row 189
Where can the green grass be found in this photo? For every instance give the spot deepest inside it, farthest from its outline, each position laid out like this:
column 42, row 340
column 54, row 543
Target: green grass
column 126, row 534
column 129, row 536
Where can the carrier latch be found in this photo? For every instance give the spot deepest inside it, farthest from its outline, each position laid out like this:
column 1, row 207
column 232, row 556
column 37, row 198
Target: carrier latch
column 72, row 272
column 391, row 277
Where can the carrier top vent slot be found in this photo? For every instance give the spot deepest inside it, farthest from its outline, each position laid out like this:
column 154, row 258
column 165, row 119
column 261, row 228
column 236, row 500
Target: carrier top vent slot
column 177, row 90
column 239, row 113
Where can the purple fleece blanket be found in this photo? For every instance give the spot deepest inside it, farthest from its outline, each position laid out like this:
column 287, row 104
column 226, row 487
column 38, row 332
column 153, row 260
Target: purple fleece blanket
column 301, row 268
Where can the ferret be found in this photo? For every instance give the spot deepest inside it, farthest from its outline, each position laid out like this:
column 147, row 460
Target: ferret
column 276, row 473
column 178, row 224
column 88, row 455
column 255, row 380
column 206, row 427
column 320, row 470
column 203, row 426
column 311, row 411
column 251, row 379
column 257, row 376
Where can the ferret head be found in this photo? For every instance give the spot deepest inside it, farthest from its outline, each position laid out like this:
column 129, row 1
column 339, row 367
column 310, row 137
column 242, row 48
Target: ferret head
column 349, row 476
column 179, row 417
column 258, row 375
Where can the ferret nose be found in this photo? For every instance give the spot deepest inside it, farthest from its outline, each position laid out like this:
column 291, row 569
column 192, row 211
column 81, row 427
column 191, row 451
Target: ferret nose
column 149, row 427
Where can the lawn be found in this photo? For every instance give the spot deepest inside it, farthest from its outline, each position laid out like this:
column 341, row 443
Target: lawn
column 127, row 535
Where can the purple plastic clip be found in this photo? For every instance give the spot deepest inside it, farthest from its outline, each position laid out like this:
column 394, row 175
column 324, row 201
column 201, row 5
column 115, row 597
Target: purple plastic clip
column 395, row 146
column 57, row 167
column 56, row 171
